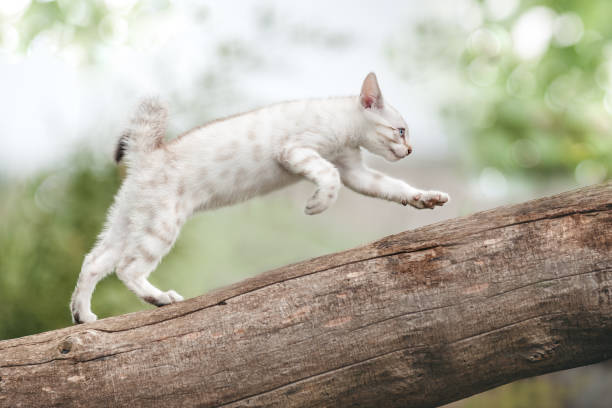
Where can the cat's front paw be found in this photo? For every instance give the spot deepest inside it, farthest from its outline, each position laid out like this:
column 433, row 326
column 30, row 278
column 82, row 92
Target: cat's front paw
column 427, row 199
column 320, row 201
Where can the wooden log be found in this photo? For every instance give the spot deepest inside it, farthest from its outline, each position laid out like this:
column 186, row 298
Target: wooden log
column 417, row 319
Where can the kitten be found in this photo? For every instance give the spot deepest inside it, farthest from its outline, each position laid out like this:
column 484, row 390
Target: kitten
column 232, row 160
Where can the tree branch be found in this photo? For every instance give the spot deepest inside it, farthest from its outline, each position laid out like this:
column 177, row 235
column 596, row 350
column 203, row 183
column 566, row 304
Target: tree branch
column 416, row 319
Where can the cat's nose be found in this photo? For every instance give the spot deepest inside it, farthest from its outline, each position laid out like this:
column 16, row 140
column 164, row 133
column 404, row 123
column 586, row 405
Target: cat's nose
column 409, row 150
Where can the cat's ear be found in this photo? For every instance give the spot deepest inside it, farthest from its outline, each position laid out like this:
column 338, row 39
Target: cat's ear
column 370, row 96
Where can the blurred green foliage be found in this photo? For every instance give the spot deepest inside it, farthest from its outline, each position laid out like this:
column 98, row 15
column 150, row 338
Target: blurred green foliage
column 548, row 114
column 76, row 29
column 528, row 94
column 48, row 224
column 529, row 393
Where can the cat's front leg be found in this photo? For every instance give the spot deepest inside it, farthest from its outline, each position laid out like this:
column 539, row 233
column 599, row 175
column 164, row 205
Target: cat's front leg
column 356, row 176
column 308, row 163
column 376, row 184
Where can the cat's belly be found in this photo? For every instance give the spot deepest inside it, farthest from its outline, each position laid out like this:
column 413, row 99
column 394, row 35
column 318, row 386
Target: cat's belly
column 243, row 185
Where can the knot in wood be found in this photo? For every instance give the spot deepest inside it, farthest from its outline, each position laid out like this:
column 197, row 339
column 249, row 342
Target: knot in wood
column 65, row 346
column 544, row 352
column 78, row 343
column 535, row 357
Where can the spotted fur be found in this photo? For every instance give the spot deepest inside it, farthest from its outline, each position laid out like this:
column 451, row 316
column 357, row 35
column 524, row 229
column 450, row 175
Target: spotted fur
column 231, row 160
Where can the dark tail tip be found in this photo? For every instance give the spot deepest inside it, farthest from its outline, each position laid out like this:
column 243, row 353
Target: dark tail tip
column 121, row 147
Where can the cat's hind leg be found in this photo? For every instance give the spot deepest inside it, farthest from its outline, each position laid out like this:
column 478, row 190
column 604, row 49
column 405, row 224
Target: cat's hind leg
column 134, row 275
column 142, row 257
column 97, row 264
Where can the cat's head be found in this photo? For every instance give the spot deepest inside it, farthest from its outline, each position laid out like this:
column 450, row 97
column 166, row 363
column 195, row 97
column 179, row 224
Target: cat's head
column 386, row 132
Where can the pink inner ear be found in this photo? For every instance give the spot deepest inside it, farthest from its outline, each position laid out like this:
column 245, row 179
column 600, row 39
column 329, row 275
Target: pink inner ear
column 370, row 93
column 367, row 101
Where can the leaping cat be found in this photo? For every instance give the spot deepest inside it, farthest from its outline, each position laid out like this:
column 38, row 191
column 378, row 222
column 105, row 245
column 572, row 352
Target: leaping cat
column 231, row 160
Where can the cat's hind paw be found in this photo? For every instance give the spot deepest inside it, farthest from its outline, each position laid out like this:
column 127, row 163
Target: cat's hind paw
column 165, row 298
column 174, row 297
column 83, row 317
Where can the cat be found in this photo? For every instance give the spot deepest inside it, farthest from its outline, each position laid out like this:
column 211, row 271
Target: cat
column 231, row 160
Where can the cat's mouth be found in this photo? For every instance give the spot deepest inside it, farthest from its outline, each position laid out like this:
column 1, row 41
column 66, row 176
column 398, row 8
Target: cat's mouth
column 397, row 156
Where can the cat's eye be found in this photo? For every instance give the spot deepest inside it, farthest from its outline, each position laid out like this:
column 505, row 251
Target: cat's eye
column 402, row 132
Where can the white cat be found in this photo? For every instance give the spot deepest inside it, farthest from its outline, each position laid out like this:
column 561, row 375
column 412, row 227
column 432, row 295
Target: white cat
column 233, row 159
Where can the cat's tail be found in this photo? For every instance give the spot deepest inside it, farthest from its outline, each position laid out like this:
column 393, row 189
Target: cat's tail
column 145, row 132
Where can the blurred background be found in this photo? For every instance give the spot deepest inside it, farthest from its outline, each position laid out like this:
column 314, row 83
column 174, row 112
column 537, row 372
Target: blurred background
column 507, row 100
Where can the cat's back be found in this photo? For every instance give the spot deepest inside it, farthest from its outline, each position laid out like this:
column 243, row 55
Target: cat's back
column 279, row 118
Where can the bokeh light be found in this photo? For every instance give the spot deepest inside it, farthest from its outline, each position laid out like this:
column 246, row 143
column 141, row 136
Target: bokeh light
column 568, row 29
column 532, row 32
column 493, row 183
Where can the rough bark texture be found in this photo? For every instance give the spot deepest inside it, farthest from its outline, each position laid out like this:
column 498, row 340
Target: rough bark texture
column 417, row 319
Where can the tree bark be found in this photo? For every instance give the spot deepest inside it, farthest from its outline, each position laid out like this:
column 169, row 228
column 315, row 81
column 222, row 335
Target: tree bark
column 417, row 319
